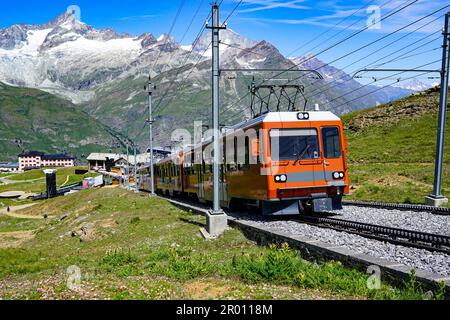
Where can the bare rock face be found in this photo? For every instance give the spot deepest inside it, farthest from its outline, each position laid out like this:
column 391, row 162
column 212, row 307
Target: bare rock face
column 13, row 36
column 85, row 233
column 147, row 40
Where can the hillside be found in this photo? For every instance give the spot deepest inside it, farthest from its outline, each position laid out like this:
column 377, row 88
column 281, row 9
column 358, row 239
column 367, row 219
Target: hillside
column 46, row 123
column 392, row 149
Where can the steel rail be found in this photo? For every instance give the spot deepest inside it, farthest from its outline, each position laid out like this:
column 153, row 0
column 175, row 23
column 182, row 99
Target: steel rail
column 398, row 206
column 409, row 238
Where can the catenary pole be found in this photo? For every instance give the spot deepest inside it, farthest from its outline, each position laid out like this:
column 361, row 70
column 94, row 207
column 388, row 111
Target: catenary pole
column 150, row 88
column 215, row 107
column 128, row 167
column 216, row 219
column 135, row 168
column 437, row 198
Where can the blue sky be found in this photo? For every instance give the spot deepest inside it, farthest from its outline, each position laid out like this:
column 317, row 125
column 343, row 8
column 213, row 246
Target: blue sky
column 288, row 24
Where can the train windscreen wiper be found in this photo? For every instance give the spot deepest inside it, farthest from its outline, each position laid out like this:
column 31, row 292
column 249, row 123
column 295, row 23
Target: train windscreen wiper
column 300, row 155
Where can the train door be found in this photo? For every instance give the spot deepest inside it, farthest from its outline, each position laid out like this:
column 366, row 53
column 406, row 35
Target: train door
column 333, row 165
column 223, row 186
column 200, row 175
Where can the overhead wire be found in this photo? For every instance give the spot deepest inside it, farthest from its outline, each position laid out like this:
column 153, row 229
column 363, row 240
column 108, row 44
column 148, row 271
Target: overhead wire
column 397, row 9
column 369, row 43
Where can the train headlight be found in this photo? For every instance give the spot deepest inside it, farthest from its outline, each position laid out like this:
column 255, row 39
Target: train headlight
column 338, row 175
column 303, row 116
column 281, row 178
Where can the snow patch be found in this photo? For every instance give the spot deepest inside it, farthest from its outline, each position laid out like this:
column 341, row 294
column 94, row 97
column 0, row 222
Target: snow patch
column 82, row 44
column 35, row 39
column 132, row 95
column 186, row 48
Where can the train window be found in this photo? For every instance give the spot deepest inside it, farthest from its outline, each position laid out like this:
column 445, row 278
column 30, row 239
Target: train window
column 331, row 142
column 235, row 150
column 247, row 154
column 294, row 144
column 258, row 148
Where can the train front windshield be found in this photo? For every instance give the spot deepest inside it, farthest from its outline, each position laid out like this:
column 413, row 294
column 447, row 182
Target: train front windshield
column 294, row 144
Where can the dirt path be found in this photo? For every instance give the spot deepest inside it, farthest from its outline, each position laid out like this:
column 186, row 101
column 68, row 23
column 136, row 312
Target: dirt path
column 6, row 181
column 12, row 211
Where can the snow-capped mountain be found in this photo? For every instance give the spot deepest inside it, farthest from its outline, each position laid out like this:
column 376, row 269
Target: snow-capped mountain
column 69, row 57
column 413, row 85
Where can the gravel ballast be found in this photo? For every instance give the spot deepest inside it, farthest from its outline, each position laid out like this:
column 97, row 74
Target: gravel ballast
column 410, row 220
column 419, row 259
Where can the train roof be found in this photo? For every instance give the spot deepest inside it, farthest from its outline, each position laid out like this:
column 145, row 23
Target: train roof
column 286, row 117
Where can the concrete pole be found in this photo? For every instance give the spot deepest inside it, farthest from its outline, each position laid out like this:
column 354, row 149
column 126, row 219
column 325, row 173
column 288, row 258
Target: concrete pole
column 437, row 199
column 150, row 88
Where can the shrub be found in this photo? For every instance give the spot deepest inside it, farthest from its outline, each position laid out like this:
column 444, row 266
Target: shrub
column 121, row 262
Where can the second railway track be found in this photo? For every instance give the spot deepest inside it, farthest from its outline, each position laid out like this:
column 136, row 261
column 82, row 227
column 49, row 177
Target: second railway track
column 409, row 238
column 398, row 206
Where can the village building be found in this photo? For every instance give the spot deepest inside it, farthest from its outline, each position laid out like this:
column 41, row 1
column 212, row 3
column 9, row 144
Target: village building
column 106, row 161
column 36, row 160
column 102, row 161
column 9, row 167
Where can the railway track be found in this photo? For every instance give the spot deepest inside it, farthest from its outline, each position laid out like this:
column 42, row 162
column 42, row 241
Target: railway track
column 398, row 236
column 398, row 206
column 409, row 238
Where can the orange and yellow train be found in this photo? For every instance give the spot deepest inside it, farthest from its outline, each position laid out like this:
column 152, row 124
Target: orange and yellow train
column 283, row 163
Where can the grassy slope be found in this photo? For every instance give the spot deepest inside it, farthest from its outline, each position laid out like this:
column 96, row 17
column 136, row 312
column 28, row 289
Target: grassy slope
column 34, row 180
column 144, row 248
column 392, row 149
column 46, row 123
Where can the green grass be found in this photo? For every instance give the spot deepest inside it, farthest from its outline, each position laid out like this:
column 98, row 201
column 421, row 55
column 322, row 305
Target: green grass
column 34, row 181
column 8, row 224
column 144, row 248
column 2, row 175
column 39, row 173
column 392, row 148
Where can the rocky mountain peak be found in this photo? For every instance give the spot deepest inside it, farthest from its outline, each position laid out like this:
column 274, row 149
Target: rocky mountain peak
column 13, row 36
column 66, row 17
column 147, row 40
